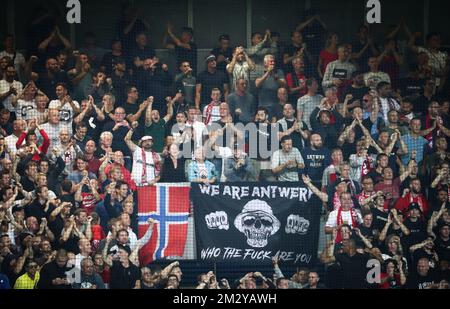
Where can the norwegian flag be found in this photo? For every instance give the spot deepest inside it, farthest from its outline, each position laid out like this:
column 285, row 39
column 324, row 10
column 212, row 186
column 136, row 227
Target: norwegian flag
column 168, row 205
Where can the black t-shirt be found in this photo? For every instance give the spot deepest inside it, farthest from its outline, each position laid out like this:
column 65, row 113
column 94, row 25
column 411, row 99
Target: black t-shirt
column 369, row 232
column 442, row 248
column 420, row 105
column 145, row 53
column 354, row 270
column 228, row 54
column 120, row 85
column 297, row 140
column 313, row 36
column 379, row 218
column 417, row 231
column 94, row 126
column 118, row 142
column 27, row 184
column 411, row 87
column 348, row 149
column 124, row 278
column 56, row 227
column 416, row 281
column 131, row 109
column 35, row 209
column 363, row 60
column 209, row 81
column 109, row 61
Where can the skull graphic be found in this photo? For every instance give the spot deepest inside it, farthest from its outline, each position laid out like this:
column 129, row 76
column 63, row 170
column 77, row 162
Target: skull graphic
column 257, row 223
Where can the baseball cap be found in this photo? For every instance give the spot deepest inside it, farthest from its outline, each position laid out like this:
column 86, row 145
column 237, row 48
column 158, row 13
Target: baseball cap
column 145, row 138
column 224, row 37
column 124, row 247
column 210, row 58
column 24, row 235
column 414, row 206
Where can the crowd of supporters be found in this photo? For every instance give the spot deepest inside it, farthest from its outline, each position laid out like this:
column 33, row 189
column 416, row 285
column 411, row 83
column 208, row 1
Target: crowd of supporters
column 364, row 124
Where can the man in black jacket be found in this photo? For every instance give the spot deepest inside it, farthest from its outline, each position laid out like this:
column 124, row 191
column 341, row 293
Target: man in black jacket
column 55, row 275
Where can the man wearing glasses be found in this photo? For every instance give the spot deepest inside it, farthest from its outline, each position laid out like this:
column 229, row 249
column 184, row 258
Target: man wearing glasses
column 29, row 280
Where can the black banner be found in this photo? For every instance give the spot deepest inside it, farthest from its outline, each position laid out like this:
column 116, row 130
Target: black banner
column 250, row 223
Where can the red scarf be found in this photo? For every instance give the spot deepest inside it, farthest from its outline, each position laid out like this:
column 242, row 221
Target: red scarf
column 144, row 166
column 209, row 109
column 336, row 201
column 363, row 196
column 339, row 221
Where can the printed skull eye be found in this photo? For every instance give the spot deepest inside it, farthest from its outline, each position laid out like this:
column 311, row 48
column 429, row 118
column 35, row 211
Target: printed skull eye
column 266, row 221
column 250, row 221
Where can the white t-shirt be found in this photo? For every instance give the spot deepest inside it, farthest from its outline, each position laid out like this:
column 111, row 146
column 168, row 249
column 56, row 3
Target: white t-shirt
column 4, row 87
column 24, row 109
column 346, row 218
column 11, row 141
column 138, row 163
column 66, row 113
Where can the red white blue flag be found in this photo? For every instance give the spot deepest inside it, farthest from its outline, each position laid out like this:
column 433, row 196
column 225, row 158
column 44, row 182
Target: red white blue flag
column 168, row 205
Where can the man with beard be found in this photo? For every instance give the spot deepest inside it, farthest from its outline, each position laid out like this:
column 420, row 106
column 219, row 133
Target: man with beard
column 146, row 162
column 317, row 158
column 260, row 147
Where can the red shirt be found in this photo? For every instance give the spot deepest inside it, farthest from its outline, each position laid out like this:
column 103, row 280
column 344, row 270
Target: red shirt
column 302, row 82
column 402, row 203
column 43, row 148
column 326, row 58
column 94, row 165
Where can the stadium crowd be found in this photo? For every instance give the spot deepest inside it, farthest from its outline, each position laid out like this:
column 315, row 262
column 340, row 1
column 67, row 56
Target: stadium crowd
column 364, row 125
